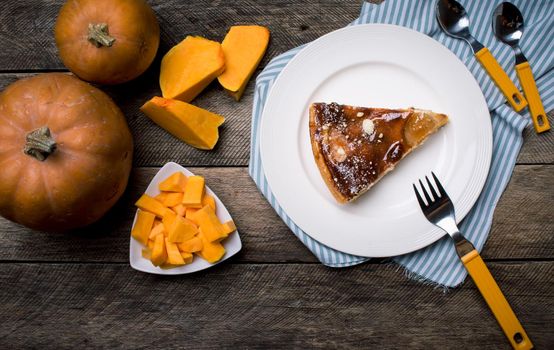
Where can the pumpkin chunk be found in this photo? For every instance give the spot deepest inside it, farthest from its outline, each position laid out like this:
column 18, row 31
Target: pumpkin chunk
column 229, row 227
column 206, row 219
column 208, row 200
column 193, row 125
column 182, row 230
column 190, row 212
column 174, row 183
column 173, row 254
column 168, row 220
column 150, row 244
column 194, row 192
column 146, row 253
column 211, row 251
column 172, row 199
column 142, row 227
column 159, row 254
column 189, row 67
column 161, row 197
column 190, row 246
column 187, row 257
column 148, row 203
column 179, row 209
column 157, row 230
column 244, row 47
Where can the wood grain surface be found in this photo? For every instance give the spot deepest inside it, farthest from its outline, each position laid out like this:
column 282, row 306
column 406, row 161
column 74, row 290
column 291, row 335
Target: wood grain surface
column 269, row 306
column 265, row 237
column 76, row 290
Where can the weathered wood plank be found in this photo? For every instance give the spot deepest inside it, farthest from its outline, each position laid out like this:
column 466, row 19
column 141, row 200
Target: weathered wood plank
column 155, row 147
column 522, row 226
column 51, row 306
column 28, row 38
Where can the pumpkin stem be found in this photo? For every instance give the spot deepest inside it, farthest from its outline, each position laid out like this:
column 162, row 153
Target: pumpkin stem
column 99, row 36
column 40, row 143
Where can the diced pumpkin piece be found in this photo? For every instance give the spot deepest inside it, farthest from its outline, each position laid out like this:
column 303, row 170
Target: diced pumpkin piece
column 187, row 257
column 157, row 230
column 169, row 266
column 208, row 200
column 161, row 197
column 211, row 251
column 173, row 254
column 206, row 219
column 189, row 67
column 142, row 227
column 194, row 192
column 172, row 199
column 193, row 125
column 180, row 209
column 174, row 183
column 168, row 220
column 182, row 230
column 244, row 47
column 146, row 253
column 148, row 203
column 150, row 244
column 229, row 227
column 190, row 211
column 159, row 253
column 190, row 246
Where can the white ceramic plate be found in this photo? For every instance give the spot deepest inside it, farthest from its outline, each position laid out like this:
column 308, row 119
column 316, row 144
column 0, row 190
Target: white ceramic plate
column 232, row 244
column 375, row 66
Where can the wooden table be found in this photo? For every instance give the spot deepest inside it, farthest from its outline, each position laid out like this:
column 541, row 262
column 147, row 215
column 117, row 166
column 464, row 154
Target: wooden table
column 78, row 290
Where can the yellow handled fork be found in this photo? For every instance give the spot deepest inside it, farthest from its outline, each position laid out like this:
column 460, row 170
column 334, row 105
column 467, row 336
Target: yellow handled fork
column 439, row 210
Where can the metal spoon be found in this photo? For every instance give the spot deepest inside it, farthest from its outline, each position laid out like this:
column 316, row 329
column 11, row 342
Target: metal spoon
column 454, row 20
column 507, row 23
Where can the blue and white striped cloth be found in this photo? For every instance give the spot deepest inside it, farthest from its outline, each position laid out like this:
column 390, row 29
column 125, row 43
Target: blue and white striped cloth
column 438, row 263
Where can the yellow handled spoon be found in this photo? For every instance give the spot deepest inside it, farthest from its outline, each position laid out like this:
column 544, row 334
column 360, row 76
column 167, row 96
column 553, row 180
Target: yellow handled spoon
column 454, row 21
column 508, row 25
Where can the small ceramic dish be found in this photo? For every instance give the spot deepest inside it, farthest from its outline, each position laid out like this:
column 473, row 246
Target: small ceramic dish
column 232, row 244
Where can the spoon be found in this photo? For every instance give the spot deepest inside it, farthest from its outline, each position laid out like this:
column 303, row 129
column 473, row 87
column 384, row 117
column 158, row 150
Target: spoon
column 507, row 23
column 454, row 20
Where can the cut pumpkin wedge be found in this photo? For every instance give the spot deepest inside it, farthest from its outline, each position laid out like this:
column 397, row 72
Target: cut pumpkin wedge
column 189, row 67
column 244, row 47
column 193, row 125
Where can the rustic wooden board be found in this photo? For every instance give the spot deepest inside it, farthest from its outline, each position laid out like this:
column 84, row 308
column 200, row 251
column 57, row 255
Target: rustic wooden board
column 28, row 38
column 250, row 306
column 155, row 147
column 522, row 226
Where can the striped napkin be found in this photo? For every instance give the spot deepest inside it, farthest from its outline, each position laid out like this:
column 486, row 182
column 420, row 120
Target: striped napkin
column 438, row 263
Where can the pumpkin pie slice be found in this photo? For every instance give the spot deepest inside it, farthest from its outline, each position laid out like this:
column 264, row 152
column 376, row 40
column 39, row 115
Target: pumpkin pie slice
column 354, row 147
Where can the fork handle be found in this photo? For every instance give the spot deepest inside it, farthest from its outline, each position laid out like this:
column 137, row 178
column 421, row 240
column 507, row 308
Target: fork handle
column 496, row 300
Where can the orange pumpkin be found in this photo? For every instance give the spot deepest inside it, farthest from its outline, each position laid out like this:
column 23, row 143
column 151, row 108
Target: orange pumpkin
column 65, row 152
column 107, row 41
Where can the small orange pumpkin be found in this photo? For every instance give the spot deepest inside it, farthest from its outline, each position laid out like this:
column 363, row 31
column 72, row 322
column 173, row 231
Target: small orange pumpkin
column 65, row 152
column 107, row 41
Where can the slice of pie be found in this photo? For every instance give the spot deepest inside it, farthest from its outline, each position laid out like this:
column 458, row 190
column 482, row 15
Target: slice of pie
column 354, row 147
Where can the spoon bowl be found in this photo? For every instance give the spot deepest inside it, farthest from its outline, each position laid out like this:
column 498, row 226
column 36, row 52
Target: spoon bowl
column 453, row 19
column 508, row 25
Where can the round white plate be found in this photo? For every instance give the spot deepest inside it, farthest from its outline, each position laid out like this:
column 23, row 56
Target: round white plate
column 376, row 66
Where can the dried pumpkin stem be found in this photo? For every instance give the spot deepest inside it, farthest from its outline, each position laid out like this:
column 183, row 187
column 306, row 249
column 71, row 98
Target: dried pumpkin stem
column 40, row 143
column 99, row 36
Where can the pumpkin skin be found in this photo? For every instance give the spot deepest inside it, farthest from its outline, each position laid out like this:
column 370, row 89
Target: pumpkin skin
column 131, row 23
column 88, row 170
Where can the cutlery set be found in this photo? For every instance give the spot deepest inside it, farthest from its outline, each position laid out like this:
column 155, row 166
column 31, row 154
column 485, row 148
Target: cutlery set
column 508, row 28
column 507, row 23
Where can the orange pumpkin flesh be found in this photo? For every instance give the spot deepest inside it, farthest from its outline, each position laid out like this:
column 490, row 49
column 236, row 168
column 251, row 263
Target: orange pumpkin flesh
column 65, row 152
column 107, row 41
